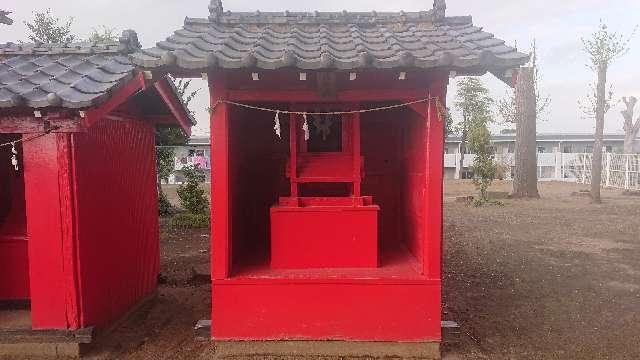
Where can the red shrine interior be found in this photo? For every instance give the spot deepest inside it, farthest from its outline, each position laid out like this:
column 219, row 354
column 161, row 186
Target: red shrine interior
column 323, row 232
column 393, row 175
column 14, row 266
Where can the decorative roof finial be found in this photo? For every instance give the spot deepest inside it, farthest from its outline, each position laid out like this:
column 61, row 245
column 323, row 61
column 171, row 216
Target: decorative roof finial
column 439, row 9
column 129, row 41
column 4, row 17
column 215, row 10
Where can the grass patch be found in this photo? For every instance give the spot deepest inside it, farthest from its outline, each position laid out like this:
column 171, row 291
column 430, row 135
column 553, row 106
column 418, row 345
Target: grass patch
column 190, row 221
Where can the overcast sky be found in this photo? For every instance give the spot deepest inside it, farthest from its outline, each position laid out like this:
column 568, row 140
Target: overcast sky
column 557, row 26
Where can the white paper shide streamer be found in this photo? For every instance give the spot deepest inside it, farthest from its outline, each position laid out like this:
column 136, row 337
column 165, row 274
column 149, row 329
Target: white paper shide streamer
column 276, row 127
column 14, row 158
column 305, row 127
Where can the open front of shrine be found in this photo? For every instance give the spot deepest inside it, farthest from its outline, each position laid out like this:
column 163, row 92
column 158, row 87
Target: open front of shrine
column 331, row 228
column 327, row 156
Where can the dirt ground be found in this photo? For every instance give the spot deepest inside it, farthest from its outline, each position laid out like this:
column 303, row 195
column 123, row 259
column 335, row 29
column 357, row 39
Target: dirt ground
column 556, row 278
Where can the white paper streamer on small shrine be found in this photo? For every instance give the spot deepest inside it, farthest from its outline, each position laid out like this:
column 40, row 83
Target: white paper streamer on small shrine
column 276, row 127
column 14, row 159
column 14, row 151
column 305, row 127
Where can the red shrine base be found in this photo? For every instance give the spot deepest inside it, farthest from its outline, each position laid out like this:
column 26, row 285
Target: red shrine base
column 393, row 302
column 324, row 237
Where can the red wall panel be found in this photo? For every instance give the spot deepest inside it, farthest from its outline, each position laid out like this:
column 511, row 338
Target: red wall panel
column 414, row 183
column 117, row 218
column 326, row 311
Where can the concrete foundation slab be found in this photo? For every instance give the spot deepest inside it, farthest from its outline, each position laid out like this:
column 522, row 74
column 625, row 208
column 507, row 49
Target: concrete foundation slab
column 413, row 350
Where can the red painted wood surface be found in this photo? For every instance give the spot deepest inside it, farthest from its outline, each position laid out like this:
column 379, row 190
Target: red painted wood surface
column 220, row 186
column 117, row 249
column 324, row 237
column 251, row 300
column 44, row 229
column 326, row 310
column 14, row 262
column 435, row 164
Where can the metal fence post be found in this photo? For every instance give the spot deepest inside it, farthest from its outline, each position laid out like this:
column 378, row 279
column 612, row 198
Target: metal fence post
column 558, row 168
column 584, row 168
column 608, row 169
column 626, row 172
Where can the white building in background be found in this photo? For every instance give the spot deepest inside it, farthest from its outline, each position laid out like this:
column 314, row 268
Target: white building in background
column 196, row 152
column 554, row 150
column 559, row 155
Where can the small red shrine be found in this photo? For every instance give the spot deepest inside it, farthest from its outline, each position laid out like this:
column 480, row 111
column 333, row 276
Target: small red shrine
column 327, row 158
column 79, row 237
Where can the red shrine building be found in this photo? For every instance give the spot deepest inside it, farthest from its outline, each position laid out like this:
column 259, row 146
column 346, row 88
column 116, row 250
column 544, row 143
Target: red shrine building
column 328, row 227
column 78, row 197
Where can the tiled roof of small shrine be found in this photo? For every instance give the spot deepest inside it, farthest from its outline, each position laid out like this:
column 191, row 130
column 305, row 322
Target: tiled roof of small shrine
column 331, row 40
column 76, row 75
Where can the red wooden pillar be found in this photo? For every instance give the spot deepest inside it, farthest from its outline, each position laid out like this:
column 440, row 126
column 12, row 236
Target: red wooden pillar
column 293, row 155
column 48, row 175
column 434, row 166
column 220, row 185
column 357, row 159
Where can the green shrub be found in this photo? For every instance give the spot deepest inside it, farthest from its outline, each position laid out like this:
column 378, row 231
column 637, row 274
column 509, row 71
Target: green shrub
column 192, row 197
column 165, row 208
column 191, row 221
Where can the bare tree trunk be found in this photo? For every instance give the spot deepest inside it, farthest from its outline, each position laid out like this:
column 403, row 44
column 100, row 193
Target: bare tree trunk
column 631, row 129
column 525, row 181
column 463, row 147
column 629, row 142
column 596, row 160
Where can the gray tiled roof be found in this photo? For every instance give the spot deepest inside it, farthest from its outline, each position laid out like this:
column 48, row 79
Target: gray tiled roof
column 75, row 75
column 333, row 40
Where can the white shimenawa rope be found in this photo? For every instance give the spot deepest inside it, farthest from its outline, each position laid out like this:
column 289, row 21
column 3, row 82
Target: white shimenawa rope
column 305, row 125
column 389, row 107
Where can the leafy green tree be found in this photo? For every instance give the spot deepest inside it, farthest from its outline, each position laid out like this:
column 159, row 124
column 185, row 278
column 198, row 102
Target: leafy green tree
column 46, row 28
column 484, row 166
column 475, row 103
column 192, row 197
